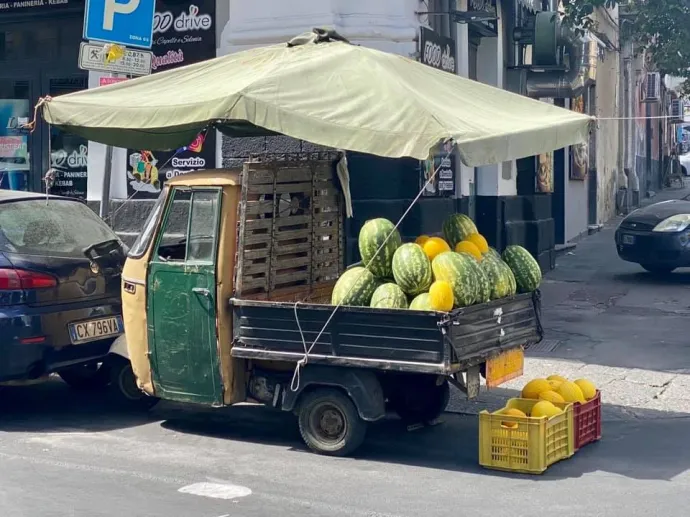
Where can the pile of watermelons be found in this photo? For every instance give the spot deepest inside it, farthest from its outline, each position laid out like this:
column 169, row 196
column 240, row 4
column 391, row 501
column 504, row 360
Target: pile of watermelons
column 433, row 273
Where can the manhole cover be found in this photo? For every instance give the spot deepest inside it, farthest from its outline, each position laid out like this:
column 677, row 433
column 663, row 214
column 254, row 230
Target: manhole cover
column 546, row 346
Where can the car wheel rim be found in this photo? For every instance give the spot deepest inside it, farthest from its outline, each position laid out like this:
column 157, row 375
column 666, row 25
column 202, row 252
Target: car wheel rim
column 329, row 423
column 128, row 384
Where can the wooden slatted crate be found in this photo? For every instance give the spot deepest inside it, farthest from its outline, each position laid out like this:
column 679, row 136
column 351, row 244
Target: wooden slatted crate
column 290, row 235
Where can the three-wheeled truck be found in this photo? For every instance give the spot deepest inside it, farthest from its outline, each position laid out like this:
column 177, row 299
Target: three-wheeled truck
column 226, row 298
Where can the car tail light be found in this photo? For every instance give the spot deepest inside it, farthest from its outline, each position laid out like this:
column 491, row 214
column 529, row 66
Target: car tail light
column 16, row 279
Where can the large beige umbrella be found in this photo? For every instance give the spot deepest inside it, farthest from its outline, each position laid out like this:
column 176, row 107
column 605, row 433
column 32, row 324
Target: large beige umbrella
column 326, row 91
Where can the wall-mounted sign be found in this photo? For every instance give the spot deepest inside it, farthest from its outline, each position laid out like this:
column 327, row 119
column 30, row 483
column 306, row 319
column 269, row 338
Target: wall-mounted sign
column 128, row 23
column 441, row 160
column 105, row 81
column 483, row 9
column 37, row 5
column 92, row 56
column 437, row 51
column 183, row 33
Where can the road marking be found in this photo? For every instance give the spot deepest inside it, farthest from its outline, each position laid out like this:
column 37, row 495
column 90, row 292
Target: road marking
column 216, row 490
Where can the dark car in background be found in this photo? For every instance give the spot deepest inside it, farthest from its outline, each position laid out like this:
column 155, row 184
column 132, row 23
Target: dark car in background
column 657, row 236
column 60, row 305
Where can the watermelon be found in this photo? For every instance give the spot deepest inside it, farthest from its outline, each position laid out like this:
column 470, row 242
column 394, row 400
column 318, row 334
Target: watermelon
column 495, row 270
column 483, row 284
column 492, row 253
column 389, row 296
column 354, row 287
column 372, row 235
column 458, row 270
column 412, row 269
column 511, row 277
column 524, row 267
column 456, row 228
column 421, row 303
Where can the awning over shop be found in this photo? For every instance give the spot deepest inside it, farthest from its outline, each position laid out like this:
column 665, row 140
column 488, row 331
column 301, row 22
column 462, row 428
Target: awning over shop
column 324, row 91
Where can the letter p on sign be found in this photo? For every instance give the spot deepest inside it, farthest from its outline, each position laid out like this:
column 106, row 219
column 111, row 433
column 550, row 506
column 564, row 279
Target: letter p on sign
column 112, row 8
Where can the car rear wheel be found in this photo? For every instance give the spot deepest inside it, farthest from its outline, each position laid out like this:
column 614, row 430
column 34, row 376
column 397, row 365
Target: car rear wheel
column 123, row 386
column 657, row 269
column 86, row 377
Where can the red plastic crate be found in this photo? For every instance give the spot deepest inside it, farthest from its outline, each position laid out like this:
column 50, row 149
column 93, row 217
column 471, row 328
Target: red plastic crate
column 587, row 420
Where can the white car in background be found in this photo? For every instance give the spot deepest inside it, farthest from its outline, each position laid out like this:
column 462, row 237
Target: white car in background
column 685, row 163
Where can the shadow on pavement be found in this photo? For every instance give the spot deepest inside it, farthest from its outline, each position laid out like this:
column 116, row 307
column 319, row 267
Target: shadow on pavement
column 639, row 444
column 54, row 407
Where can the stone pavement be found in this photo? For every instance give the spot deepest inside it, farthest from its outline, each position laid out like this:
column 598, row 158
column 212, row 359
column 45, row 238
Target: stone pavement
column 613, row 323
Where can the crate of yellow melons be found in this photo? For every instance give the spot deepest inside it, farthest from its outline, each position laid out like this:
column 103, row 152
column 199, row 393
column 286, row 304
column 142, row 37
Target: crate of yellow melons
column 526, row 436
column 582, row 393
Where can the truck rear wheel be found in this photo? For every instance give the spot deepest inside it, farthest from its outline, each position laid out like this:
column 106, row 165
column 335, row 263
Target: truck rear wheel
column 419, row 399
column 329, row 422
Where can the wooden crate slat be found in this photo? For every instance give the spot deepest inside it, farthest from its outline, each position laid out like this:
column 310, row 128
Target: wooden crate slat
column 304, row 233
column 287, row 263
column 292, row 220
column 293, row 188
column 290, row 278
column 258, row 224
column 290, row 249
column 260, row 176
column 259, row 207
column 257, row 238
column 251, row 283
column 297, row 174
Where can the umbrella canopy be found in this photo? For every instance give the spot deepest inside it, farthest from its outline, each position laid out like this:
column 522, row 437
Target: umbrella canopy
column 324, row 90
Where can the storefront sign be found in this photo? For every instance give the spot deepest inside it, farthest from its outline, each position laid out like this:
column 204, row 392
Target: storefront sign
column 183, row 34
column 437, row 51
column 37, row 5
column 93, row 56
column 441, row 161
column 14, row 149
column 69, row 159
column 105, row 81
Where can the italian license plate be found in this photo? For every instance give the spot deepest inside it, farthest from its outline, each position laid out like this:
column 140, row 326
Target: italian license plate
column 504, row 367
column 628, row 239
column 92, row 330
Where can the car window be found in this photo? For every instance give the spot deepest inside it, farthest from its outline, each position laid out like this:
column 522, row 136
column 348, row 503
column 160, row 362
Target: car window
column 56, row 228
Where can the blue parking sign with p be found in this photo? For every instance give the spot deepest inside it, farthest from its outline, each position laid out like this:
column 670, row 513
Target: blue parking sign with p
column 125, row 22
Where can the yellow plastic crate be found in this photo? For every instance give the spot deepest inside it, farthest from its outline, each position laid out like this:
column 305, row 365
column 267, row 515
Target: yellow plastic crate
column 530, row 447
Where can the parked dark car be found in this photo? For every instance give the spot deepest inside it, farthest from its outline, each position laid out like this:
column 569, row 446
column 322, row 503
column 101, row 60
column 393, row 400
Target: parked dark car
column 657, row 236
column 60, row 305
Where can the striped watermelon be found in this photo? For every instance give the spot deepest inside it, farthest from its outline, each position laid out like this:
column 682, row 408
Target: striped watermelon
column 412, row 269
column 492, row 253
column 497, row 275
column 525, row 268
column 371, row 237
column 483, row 284
column 457, row 227
column 354, row 287
column 389, row 296
column 421, row 302
column 510, row 276
column 457, row 269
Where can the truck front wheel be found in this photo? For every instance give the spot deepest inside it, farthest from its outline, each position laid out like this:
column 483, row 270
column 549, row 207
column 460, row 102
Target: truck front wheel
column 329, row 422
column 123, row 385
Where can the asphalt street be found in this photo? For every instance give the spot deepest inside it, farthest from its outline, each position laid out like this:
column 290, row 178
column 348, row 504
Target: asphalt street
column 67, row 454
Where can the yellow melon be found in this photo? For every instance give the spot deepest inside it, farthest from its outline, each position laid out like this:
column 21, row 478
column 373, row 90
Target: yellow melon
column 544, row 408
column 441, row 296
column 557, row 378
column 468, row 247
column 422, row 239
column 435, row 246
column 570, row 392
column 554, row 384
column 478, row 240
column 589, row 390
column 551, row 396
column 534, row 387
column 511, row 412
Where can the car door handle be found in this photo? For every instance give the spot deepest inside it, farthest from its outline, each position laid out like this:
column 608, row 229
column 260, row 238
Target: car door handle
column 201, row 290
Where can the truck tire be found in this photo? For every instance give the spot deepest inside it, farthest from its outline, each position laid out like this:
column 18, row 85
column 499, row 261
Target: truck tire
column 86, row 377
column 329, row 422
column 123, row 386
column 418, row 399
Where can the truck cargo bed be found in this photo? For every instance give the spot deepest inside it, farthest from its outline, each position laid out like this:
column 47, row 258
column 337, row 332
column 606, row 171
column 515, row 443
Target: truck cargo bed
column 388, row 339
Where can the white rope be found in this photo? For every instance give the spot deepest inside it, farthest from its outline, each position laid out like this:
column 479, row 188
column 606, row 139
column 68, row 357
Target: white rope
column 294, row 385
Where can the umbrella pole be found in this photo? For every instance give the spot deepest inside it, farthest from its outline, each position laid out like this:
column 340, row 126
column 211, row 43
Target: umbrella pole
column 105, row 191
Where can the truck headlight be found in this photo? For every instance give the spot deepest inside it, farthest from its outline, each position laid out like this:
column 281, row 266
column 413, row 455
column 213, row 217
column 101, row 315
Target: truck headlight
column 675, row 223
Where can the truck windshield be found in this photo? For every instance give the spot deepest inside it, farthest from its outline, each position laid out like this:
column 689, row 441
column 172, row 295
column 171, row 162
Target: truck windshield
column 142, row 243
column 61, row 228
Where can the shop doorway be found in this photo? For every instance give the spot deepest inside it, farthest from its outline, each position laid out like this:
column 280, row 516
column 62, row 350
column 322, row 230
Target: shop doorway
column 39, row 58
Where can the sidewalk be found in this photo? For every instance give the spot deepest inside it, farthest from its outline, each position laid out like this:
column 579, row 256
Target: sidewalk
column 611, row 322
